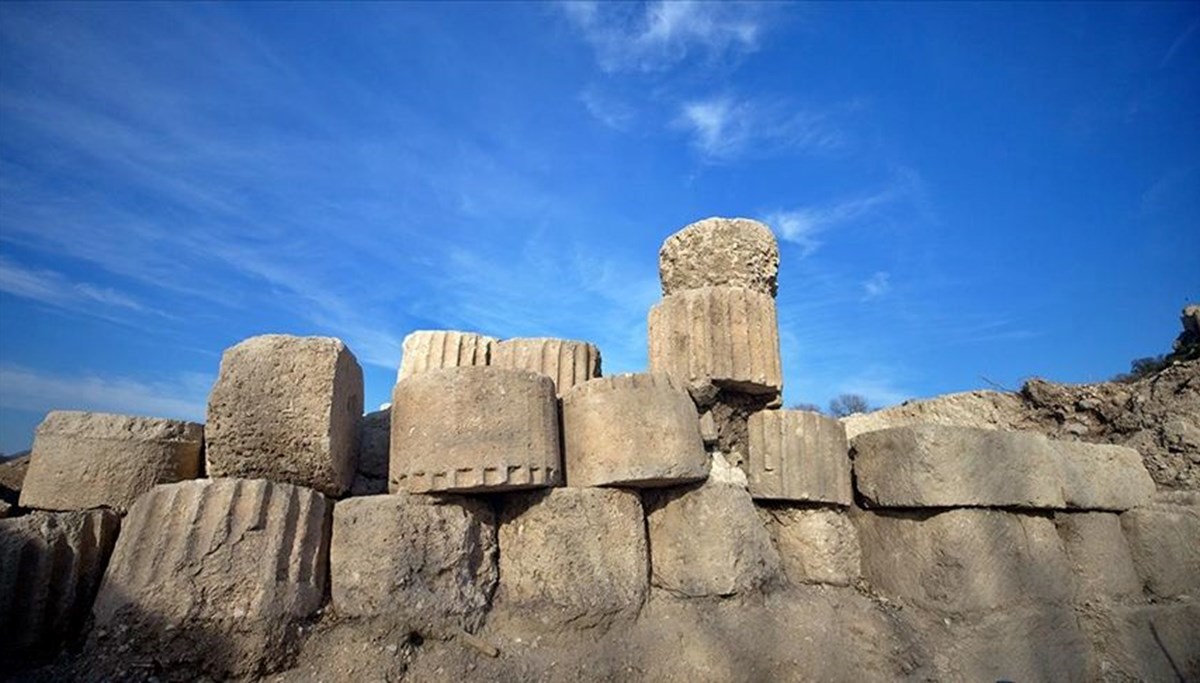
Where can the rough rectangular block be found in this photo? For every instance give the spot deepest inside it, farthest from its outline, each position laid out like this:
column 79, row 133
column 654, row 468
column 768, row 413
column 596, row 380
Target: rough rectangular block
column 50, row 566
column 437, row 349
column 1164, row 540
column 797, row 455
column 964, row 560
column 573, row 556
column 474, row 429
column 1102, row 476
column 216, row 573
column 1043, row 644
column 1156, row 642
column 632, row 430
column 428, row 562
column 1099, row 555
column 568, row 363
column 723, row 335
column 816, row 545
column 375, row 438
column 734, row 252
column 86, row 460
column 287, row 409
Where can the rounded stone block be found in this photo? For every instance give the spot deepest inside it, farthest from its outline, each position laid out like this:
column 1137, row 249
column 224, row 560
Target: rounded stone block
column 287, row 409
column 568, row 363
column 817, row 545
column 86, row 460
column 474, row 429
column 798, row 455
column 632, row 430
column 437, row 349
column 720, row 252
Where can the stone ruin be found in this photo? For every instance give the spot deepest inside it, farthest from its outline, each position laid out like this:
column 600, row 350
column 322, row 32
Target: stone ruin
column 514, row 515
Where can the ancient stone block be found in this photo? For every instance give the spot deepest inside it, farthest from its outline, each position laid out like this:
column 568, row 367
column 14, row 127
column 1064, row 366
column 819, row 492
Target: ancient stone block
column 474, row 429
column 964, row 560
column 216, row 573
column 718, row 252
column 797, row 455
column 1164, row 540
column 1103, row 477
column 50, row 566
column 568, row 363
column 12, row 477
column 1024, row 644
column 1099, row 555
column 85, row 460
column 816, row 545
column 573, row 556
column 631, row 430
column 436, row 349
column 708, row 540
column 1154, row 642
column 375, row 438
column 287, row 409
column 428, row 562
column 723, row 335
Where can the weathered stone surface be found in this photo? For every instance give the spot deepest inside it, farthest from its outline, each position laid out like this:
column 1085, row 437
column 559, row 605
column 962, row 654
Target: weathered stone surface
column 1042, row 644
column 216, row 573
column 12, row 477
column 717, row 252
column 573, row 556
column 5, row 509
column 1102, row 477
column 964, row 560
column 437, row 349
column 816, row 545
column 50, row 566
column 1099, row 555
column 474, row 429
column 1164, row 540
column 1144, row 642
column 632, row 430
column 85, row 460
column 568, row 363
column 979, row 409
column 708, row 540
column 287, row 409
column 798, row 455
column 723, row 335
column 428, row 562
column 375, row 438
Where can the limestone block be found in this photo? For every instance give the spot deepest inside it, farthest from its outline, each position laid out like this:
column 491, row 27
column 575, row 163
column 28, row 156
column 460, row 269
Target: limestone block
column 85, row 460
column 1102, row 476
column 1165, row 542
column 632, row 430
column 709, row 541
column 50, row 566
column 573, row 556
column 723, row 335
column 1154, row 642
column 798, row 455
column 1099, row 555
column 375, row 438
column 428, row 561
column 964, row 560
column 1044, row 644
column 12, row 476
column 217, row 572
column 286, row 409
column 816, row 545
column 474, row 429
column 568, row 363
column 436, row 349
column 717, row 252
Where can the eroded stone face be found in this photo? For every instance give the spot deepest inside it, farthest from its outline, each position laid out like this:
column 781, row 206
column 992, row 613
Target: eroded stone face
column 720, row 252
column 817, row 545
column 474, row 429
column 797, row 455
column 287, row 409
column 1099, row 555
column 1102, row 476
column 568, row 363
column 437, row 349
column 632, row 430
column 1164, row 540
column 375, row 439
column 84, row 460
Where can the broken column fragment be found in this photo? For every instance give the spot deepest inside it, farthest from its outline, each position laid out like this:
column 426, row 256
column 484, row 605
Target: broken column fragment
column 84, row 460
column 568, row 363
column 474, row 429
column 797, row 455
column 632, row 430
column 287, row 409
column 720, row 252
column 437, row 349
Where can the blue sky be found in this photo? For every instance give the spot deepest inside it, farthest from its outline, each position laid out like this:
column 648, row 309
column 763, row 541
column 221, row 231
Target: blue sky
column 960, row 191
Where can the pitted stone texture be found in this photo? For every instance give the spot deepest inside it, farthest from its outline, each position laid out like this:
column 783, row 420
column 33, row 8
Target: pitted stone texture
column 474, row 429
column 1099, row 555
column 723, row 335
column 709, row 541
column 375, row 438
column 720, row 252
column 286, row 409
column 86, row 460
column 964, row 560
column 216, row 573
column 1102, row 476
column 1155, row 642
column 50, row 566
column 568, row 363
column 797, row 455
column 632, row 430
column 816, row 545
column 428, row 561
column 437, row 349
column 1164, row 540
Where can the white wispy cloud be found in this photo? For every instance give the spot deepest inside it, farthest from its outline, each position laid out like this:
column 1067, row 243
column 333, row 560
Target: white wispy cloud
column 723, row 128
column 55, row 289
column 609, row 111
column 181, row 397
column 877, row 285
